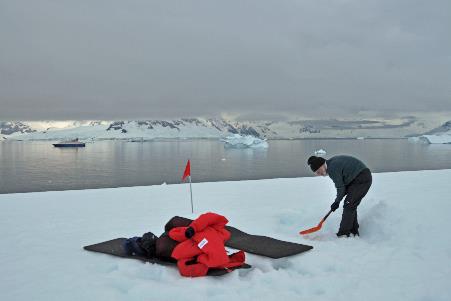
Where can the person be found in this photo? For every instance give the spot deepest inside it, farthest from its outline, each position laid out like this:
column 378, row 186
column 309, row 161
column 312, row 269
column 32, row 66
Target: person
column 196, row 246
column 352, row 178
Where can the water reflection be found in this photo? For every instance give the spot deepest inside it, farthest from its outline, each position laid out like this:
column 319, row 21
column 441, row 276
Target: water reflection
column 38, row 166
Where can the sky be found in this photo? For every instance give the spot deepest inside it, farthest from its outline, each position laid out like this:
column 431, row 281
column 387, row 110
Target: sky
column 133, row 59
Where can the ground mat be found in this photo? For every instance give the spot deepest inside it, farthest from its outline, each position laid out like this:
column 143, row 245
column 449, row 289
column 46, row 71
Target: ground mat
column 255, row 244
column 263, row 245
column 114, row 247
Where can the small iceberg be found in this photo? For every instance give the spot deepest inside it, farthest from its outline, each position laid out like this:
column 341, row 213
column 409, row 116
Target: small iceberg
column 238, row 141
column 433, row 139
column 320, row 152
column 136, row 139
column 140, row 139
column 417, row 140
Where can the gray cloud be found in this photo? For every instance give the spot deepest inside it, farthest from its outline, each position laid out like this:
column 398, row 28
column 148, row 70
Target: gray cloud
column 153, row 59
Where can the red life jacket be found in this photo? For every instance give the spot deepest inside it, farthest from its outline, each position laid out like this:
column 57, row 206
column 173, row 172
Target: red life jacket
column 205, row 249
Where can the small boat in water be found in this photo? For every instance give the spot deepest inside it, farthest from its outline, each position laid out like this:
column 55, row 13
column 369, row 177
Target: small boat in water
column 72, row 143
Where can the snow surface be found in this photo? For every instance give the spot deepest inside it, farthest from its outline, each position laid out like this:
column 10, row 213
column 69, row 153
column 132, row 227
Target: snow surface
column 404, row 251
column 248, row 141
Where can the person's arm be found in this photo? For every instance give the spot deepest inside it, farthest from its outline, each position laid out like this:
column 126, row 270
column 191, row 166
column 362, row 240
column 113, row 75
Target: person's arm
column 341, row 191
column 199, row 224
column 208, row 219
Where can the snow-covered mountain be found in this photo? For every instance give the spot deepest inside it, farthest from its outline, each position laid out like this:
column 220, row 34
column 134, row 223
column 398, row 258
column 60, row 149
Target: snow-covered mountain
column 145, row 129
column 188, row 128
column 9, row 127
column 444, row 128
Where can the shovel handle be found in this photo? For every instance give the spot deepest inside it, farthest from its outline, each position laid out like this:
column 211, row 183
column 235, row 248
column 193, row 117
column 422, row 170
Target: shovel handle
column 327, row 215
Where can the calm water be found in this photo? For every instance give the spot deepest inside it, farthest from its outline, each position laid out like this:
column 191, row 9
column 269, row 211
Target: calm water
column 38, row 166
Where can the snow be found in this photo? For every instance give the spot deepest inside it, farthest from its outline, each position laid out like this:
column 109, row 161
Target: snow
column 403, row 252
column 437, row 139
column 248, row 141
column 58, row 125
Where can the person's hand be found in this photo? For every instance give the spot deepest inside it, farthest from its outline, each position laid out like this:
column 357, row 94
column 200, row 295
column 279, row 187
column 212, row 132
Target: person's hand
column 334, row 206
column 189, row 232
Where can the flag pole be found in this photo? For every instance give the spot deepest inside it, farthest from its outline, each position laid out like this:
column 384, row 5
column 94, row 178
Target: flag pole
column 187, row 173
column 191, row 191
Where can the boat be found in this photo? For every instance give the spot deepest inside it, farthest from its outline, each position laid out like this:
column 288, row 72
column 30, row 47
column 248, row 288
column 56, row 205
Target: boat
column 71, row 143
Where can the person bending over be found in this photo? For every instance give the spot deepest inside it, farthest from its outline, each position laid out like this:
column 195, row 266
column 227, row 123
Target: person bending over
column 352, row 178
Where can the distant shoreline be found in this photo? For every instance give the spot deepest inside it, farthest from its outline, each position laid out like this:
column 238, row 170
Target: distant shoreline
column 206, row 138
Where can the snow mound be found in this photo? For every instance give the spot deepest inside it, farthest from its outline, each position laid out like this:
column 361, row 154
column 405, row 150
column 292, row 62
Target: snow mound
column 238, row 141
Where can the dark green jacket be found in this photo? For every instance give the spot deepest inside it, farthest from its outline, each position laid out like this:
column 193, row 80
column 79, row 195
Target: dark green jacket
column 342, row 170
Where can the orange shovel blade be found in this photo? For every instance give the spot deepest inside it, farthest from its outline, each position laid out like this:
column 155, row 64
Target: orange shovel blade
column 314, row 229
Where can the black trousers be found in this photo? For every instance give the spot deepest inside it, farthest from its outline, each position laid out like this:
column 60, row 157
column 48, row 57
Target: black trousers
column 355, row 192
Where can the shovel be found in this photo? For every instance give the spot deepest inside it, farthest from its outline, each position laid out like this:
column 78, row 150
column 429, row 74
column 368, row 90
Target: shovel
column 316, row 228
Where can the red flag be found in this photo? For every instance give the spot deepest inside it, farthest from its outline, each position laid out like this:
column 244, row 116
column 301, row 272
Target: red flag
column 187, row 171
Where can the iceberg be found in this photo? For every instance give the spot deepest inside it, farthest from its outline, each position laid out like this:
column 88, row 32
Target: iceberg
column 320, row 152
column 436, row 139
column 248, row 141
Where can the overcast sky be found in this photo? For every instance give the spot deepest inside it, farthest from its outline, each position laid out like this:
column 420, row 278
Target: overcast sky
column 117, row 59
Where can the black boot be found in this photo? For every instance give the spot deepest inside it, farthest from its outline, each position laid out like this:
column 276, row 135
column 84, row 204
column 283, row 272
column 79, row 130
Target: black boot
column 355, row 232
column 132, row 246
column 343, row 233
column 149, row 244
